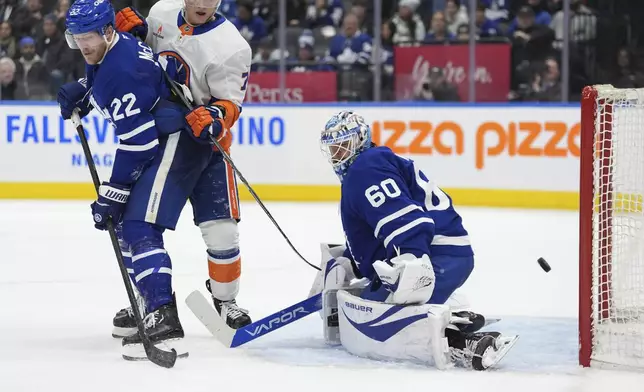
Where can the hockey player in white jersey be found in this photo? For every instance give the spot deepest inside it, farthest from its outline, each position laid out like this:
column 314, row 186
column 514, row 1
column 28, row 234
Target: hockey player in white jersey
column 213, row 60
column 407, row 244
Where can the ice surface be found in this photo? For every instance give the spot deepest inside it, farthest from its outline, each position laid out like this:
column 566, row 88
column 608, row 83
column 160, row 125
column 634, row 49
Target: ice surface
column 60, row 287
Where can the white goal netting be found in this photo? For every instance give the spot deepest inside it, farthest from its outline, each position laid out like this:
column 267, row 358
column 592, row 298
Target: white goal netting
column 618, row 228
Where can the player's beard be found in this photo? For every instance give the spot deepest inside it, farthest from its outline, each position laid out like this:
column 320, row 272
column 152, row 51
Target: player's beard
column 94, row 46
column 94, row 55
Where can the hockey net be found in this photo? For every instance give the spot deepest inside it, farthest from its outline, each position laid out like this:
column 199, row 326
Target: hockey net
column 611, row 296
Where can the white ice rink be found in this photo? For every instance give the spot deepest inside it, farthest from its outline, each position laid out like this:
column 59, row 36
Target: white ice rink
column 60, row 287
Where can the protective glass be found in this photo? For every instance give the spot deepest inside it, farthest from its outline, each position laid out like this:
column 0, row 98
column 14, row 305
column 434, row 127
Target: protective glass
column 84, row 41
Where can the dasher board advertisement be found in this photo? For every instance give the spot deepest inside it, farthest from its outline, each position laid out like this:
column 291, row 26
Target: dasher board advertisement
column 482, row 154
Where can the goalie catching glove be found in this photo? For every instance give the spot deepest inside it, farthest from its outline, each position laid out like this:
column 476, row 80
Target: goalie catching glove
column 129, row 20
column 409, row 279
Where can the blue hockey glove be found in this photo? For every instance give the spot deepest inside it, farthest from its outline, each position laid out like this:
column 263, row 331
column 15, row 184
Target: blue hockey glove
column 111, row 202
column 71, row 96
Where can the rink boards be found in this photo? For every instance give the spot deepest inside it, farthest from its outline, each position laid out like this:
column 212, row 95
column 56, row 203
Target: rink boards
column 483, row 155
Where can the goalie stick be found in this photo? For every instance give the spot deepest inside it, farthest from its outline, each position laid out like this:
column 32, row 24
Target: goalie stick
column 236, row 337
column 160, row 357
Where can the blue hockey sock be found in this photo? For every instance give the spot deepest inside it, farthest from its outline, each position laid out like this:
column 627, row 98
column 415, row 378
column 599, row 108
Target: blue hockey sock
column 151, row 263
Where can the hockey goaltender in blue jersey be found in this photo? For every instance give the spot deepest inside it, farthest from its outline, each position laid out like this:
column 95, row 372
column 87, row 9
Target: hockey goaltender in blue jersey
column 390, row 207
column 408, row 245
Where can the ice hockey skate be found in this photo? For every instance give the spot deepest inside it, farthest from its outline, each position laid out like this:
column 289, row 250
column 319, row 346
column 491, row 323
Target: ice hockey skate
column 234, row 316
column 164, row 330
column 478, row 350
column 124, row 323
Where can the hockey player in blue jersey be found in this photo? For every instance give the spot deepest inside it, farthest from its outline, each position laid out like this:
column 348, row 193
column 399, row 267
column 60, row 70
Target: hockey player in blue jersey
column 157, row 165
column 407, row 244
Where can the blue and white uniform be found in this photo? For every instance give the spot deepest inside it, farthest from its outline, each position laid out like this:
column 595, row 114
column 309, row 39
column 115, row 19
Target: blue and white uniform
column 389, row 207
column 394, row 216
column 407, row 244
column 158, row 164
column 404, row 240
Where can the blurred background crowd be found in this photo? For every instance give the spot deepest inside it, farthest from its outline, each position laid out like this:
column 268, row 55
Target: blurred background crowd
column 385, row 50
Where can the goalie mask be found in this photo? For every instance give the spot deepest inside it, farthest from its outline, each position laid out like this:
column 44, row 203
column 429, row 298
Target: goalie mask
column 344, row 136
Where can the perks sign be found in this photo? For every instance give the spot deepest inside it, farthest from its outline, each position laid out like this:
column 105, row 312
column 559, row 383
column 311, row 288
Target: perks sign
column 492, row 72
column 264, row 87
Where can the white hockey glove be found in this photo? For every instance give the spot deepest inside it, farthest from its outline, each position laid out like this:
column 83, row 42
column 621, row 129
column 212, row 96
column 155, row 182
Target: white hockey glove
column 409, row 279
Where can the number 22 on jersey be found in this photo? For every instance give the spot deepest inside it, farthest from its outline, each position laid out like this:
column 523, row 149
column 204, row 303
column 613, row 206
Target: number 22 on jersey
column 128, row 99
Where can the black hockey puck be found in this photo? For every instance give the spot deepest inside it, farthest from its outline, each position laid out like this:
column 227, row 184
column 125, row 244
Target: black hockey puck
column 544, row 264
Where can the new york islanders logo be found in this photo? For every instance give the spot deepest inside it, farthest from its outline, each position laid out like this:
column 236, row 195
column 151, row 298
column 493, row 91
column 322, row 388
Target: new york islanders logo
column 177, row 68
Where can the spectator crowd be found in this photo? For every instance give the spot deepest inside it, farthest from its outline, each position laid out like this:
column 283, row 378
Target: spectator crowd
column 337, row 35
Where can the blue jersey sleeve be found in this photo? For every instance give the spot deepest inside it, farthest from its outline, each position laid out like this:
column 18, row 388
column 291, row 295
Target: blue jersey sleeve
column 129, row 101
column 379, row 195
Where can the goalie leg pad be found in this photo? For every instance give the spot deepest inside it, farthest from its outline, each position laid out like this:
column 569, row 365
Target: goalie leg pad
column 224, row 259
column 384, row 331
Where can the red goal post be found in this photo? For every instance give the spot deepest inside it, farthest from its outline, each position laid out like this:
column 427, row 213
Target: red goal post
column 611, row 228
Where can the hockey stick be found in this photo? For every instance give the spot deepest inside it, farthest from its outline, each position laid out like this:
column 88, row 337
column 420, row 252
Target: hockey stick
column 160, row 357
column 176, row 90
column 236, row 337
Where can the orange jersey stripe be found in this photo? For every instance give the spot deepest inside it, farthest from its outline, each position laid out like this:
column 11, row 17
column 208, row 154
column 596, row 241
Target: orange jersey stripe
column 233, row 199
column 224, row 273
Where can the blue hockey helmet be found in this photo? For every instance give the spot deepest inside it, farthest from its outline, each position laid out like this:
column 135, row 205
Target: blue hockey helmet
column 85, row 16
column 345, row 135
